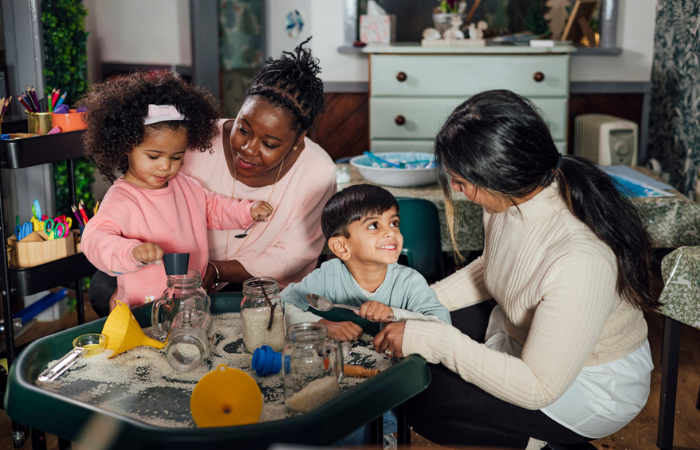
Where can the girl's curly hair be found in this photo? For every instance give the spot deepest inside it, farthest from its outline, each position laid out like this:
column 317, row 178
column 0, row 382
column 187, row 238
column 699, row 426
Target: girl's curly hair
column 116, row 110
column 291, row 82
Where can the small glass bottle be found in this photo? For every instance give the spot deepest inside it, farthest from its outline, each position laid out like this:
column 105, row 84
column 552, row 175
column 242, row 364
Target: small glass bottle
column 313, row 365
column 180, row 288
column 262, row 314
column 189, row 337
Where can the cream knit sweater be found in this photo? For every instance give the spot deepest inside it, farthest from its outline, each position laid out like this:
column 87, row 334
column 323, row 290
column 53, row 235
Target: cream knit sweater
column 555, row 281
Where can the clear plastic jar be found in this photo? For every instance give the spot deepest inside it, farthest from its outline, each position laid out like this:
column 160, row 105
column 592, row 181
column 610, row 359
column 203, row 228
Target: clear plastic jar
column 313, row 365
column 189, row 338
column 262, row 314
column 180, row 288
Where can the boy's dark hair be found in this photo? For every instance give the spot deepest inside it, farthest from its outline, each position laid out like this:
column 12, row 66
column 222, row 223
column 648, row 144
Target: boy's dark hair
column 292, row 83
column 117, row 108
column 353, row 203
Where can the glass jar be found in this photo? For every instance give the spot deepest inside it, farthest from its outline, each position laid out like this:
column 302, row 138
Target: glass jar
column 262, row 315
column 313, row 365
column 180, row 288
column 189, row 337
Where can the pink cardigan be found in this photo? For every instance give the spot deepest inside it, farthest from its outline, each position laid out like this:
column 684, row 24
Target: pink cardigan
column 175, row 217
column 288, row 245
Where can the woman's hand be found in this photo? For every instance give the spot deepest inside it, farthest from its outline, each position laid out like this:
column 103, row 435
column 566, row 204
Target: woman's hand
column 211, row 279
column 261, row 211
column 390, row 339
column 148, row 253
column 343, row 331
column 376, row 312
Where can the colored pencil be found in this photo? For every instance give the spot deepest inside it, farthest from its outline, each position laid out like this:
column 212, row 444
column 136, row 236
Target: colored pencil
column 26, row 106
column 77, row 216
column 28, row 99
column 6, row 106
column 63, row 97
column 54, row 99
column 36, row 100
column 82, row 211
column 97, row 205
column 49, row 104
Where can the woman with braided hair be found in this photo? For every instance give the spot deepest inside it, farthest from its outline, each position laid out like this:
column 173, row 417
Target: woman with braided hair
column 264, row 154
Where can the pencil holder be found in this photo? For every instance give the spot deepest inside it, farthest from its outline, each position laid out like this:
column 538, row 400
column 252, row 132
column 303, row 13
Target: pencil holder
column 39, row 123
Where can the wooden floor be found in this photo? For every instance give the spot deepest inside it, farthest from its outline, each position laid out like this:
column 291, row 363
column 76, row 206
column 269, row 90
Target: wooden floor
column 639, row 435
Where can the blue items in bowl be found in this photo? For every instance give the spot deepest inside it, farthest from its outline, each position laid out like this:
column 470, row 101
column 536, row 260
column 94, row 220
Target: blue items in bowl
column 414, row 169
column 266, row 360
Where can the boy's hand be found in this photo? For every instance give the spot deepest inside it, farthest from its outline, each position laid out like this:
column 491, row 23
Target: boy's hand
column 261, row 211
column 148, row 253
column 376, row 312
column 343, row 331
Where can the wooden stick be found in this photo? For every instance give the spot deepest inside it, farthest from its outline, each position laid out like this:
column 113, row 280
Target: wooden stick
column 472, row 11
column 359, row 371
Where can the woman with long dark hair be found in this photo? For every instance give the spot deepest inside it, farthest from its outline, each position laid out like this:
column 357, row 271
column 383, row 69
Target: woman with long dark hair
column 563, row 356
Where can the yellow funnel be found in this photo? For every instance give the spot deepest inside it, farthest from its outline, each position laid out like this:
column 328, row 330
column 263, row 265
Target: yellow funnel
column 124, row 332
column 225, row 397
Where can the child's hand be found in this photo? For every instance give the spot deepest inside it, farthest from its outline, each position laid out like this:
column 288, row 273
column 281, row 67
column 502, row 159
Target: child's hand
column 343, row 331
column 376, row 312
column 261, row 211
column 148, row 253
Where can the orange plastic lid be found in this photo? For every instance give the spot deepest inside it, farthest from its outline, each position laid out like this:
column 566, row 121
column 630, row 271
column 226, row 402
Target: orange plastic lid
column 226, row 397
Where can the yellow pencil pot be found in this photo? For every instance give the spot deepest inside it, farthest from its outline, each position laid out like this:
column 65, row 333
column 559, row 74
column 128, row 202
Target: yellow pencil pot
column 39, row 123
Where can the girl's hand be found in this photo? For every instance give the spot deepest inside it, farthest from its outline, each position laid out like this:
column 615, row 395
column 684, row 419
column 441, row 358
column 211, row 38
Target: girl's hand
column 376, row 312
column 148, row 253
column 261, row 211
column 343, row 331
column 390, row 339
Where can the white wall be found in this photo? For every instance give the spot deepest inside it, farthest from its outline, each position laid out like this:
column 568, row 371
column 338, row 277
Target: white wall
column 140, row 31
column 635, row 35
column 325, row 23
column 636, row 20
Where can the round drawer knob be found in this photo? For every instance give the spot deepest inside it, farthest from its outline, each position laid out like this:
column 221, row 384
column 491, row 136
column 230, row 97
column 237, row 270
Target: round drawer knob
column 400, row 120
column 401, row 76
column 538, row 76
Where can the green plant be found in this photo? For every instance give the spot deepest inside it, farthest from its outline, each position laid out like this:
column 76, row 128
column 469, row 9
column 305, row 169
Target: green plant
column 65, row 68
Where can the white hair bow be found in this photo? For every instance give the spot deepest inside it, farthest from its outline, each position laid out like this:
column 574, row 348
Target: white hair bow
column 161, row 113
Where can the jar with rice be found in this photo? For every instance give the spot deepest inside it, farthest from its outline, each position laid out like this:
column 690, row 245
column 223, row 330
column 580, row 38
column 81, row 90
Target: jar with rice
column 262, row 314
column 313, row 365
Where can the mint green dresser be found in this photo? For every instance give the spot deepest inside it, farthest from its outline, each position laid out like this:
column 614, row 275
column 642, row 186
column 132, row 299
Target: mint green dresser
column 414, row 89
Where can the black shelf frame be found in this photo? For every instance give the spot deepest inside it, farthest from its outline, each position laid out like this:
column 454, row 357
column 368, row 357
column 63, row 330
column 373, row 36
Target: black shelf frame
column 30, row 152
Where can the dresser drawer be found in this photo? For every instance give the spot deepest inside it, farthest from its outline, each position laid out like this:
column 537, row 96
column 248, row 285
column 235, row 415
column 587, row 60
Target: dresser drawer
column 422, row 118
column 454, row 76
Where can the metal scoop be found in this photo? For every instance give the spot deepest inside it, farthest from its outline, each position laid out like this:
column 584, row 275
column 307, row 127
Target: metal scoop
column 86, row 346
column 245, row 233
column 321, row 303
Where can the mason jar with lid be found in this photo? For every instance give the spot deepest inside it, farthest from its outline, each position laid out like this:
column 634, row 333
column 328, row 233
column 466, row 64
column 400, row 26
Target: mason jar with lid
column 262, row 314
column 180, row 288
column 313, row 365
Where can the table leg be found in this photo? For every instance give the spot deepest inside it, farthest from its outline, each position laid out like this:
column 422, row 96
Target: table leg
column 38, row 439
column 403, row 430
column 376, row 432
column 669, row 383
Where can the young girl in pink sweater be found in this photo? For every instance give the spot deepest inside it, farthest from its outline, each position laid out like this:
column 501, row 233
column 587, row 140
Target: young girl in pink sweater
column 141, row 126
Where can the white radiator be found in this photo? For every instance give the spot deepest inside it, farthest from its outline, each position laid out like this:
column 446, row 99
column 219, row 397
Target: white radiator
column 606, row 140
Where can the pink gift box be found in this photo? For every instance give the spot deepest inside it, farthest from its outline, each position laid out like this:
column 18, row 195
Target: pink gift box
column 378, row 29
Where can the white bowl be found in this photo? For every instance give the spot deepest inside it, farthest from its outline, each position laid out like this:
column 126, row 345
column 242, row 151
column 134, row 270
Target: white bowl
column 393, row 176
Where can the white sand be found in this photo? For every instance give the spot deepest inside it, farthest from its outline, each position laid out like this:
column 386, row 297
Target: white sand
column 141, row 384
